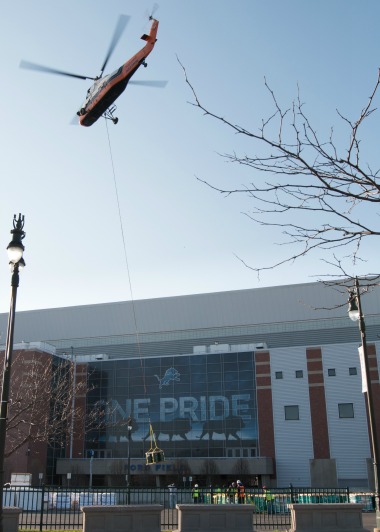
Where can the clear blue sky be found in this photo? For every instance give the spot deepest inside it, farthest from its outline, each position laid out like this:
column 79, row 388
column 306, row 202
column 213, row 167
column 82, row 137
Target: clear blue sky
column 181, row 237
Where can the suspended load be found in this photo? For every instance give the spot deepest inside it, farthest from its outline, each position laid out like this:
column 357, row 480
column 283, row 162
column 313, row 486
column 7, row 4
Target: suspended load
column 155, row 455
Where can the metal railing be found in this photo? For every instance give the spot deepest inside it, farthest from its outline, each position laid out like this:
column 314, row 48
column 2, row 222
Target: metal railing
column 60, row 508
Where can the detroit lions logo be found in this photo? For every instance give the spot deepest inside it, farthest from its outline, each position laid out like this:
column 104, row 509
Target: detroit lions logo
column 171, row 374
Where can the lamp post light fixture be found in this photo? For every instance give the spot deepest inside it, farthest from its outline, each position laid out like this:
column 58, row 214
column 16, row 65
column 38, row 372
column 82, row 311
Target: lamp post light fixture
column 129, row 428
column 356, row 314
column 15, row 251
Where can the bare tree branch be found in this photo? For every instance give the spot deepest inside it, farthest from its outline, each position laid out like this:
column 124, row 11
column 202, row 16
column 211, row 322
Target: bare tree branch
column 296, row 172
column 41, row 406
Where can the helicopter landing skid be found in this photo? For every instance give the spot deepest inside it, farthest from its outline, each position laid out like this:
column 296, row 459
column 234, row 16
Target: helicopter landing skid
column 109, row 114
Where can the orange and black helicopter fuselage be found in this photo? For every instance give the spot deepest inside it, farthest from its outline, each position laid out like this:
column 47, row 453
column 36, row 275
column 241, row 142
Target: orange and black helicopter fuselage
column 105, row 90
column 103, row 93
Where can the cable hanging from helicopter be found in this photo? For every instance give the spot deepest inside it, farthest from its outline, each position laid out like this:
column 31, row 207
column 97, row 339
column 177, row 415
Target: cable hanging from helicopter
column 154, row 454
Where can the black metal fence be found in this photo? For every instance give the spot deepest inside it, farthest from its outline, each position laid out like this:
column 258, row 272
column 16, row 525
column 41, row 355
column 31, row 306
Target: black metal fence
column 57, row 509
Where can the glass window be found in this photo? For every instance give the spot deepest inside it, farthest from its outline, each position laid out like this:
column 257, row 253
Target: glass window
column 352, row 371
column 197, row 360
column 331, row 372
column 214, row 359
column 244, row 366
column 346, row 410
column 231, row 357
column 279, row 375
column 196, row 404
column 231, row 376
column 292, row 412
column 299, row 374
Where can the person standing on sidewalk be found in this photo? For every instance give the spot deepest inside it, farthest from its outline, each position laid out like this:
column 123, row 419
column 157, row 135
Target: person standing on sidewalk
column 232, row 493
column 240, row 492
column 269, row 498
column 195, row 494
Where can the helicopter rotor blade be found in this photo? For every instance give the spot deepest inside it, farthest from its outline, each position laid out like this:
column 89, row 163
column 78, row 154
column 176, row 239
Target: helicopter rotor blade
column 48, row 70
column 120, row 27
column 149, row 83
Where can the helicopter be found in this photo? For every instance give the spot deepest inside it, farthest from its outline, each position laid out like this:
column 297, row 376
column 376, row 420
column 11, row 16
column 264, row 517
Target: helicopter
column 105, row 90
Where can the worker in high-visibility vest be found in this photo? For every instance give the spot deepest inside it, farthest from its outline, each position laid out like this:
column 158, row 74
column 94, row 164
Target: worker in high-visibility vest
column 195, row 493
column 218, row 495
column 269, row 497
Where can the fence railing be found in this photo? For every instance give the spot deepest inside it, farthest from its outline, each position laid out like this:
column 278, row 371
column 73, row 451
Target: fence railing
column 59, row 508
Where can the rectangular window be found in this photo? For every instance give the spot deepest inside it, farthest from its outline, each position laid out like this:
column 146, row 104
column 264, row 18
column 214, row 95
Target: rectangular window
column 346, row 410
column 299, row 374
column 241, row 452
column 331, row 372
column 279, row 375
column 292, row 412
column 352, row 371
column 102, row 453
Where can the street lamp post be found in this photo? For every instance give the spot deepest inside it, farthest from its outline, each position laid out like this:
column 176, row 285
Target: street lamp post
column 129, row 427
column 74, row 384
column 15, row 251
column 356, row 314
column 91, row 461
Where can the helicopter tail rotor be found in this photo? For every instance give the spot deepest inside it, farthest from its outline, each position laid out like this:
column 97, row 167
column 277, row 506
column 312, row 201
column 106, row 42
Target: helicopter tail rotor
column 149, row 14
column 155, row 7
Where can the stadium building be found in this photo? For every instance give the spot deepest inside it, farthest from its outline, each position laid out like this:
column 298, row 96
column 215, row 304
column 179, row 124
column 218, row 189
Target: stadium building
column 262, row 384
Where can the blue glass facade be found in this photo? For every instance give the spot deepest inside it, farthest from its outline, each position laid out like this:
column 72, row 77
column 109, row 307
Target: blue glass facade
column 201, row 405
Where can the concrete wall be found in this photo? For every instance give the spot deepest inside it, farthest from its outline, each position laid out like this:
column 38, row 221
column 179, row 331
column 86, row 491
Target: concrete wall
column 10, row 519
column 323, row 473
column 326, row 517
column 139, row 518
column 218, row 518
